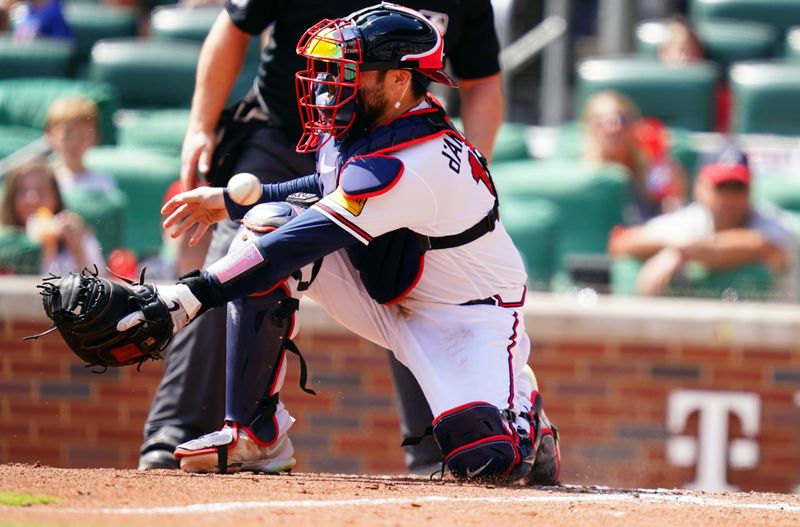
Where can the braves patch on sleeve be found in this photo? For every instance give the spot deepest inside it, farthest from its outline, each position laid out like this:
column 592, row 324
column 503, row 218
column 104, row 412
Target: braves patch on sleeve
column 352, row 205
column 364, row 177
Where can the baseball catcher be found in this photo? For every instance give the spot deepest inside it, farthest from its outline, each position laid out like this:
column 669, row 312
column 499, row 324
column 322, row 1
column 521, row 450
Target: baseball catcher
column 404, row 248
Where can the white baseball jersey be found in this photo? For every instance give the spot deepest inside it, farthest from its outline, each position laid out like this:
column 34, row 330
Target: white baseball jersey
column 460, row 354
column 441, row 190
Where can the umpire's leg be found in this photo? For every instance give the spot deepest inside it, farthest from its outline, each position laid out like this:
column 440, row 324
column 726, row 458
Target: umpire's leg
column 190, row 401
column 415, row 415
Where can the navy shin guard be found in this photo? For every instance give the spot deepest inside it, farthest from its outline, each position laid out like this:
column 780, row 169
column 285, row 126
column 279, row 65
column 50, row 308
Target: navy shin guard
column 258, row 333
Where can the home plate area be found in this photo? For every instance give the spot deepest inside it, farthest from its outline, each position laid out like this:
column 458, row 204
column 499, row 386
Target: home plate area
column 72, row 497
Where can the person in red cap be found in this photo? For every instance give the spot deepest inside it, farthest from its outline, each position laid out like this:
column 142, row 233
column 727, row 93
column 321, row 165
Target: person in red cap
column 720, row 229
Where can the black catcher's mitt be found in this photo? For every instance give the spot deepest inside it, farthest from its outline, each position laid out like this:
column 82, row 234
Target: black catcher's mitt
column 86, row 308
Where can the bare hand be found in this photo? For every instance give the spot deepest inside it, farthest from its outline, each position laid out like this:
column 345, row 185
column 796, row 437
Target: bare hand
column 658, row 271
column 198, row 147
column 199, row 208
column 70, row 229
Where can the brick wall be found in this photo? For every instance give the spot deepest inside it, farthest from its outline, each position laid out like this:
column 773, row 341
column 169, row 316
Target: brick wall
column 607, row 369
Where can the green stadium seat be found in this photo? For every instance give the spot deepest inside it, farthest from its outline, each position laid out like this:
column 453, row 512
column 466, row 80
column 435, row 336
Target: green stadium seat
column 146, row 73
column 176, row 22
column 183, row 23
column 92, row 22
column 18, row 254
column 24, row 102
column 792, row 47
column 12, row 138
column 156, row 129
column 40, row 57
column 590, row 201
column 533, row 224
column 779, row 189
column 143, row 175
column 750, row 282
column 104, row 212
column 766, row 96
column 569, row 140
column 511, row 143
column 725, row 41
column 780, row 14
column 680, row 97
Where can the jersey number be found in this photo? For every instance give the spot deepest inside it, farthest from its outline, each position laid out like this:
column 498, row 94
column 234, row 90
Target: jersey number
column 452, row 151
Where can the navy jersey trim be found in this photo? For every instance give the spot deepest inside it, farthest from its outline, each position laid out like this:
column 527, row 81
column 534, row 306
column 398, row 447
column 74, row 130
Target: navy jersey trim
column 347, row 223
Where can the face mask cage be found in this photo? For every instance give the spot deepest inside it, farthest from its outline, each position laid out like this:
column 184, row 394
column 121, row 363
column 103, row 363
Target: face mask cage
column 327, row 88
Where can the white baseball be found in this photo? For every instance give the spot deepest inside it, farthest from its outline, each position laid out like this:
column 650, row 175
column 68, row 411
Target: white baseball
column 244, row 188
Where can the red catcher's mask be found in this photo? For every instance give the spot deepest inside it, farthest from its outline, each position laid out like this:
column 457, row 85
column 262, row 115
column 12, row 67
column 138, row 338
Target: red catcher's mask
column 380, row 37
column 328, row 87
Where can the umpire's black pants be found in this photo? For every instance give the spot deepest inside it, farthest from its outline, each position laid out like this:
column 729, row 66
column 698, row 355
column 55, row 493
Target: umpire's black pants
column 190, row 401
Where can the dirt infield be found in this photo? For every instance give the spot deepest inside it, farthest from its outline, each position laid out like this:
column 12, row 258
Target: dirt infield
column 171, row 498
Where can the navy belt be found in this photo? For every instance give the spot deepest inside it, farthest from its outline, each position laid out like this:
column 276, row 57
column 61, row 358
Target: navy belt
column 490, row 301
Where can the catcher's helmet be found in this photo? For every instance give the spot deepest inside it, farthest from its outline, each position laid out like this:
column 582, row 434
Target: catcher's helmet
column 381, row 37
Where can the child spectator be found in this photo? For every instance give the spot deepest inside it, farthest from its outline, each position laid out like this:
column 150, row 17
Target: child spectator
column 71, row 130
column 721, row 230
column 32, row 202
column 43, row 18
column 613, row 133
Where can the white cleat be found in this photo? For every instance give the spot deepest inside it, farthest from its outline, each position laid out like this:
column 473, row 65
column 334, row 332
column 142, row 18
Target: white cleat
column 235, row 449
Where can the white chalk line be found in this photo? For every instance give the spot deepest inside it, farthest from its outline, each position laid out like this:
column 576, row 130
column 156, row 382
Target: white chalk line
column 221, row 507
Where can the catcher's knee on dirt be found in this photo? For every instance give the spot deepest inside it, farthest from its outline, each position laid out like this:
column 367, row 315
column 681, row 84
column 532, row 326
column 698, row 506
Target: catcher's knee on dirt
column 477, row 442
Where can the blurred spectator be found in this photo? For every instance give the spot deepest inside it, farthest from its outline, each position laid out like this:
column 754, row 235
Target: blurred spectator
column 32, row 202
column 43, row 18
column 720, row 230
column 71, row 130
column 682, row 46
column 5, row 10
column 614, row 133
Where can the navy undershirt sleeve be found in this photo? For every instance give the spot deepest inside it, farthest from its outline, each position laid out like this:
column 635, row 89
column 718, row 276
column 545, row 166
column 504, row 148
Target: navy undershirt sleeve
column 296, row 244
column 311, row 184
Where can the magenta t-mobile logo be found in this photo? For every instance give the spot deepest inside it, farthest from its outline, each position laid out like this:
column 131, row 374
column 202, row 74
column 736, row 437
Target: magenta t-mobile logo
column 711, row 451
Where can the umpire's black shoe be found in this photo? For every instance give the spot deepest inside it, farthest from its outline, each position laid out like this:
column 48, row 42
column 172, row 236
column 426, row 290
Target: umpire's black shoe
column 156, row 451
column 158, row 459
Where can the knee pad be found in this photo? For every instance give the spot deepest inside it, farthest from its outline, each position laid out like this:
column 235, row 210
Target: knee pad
column 261, row 219
column 476, row 442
